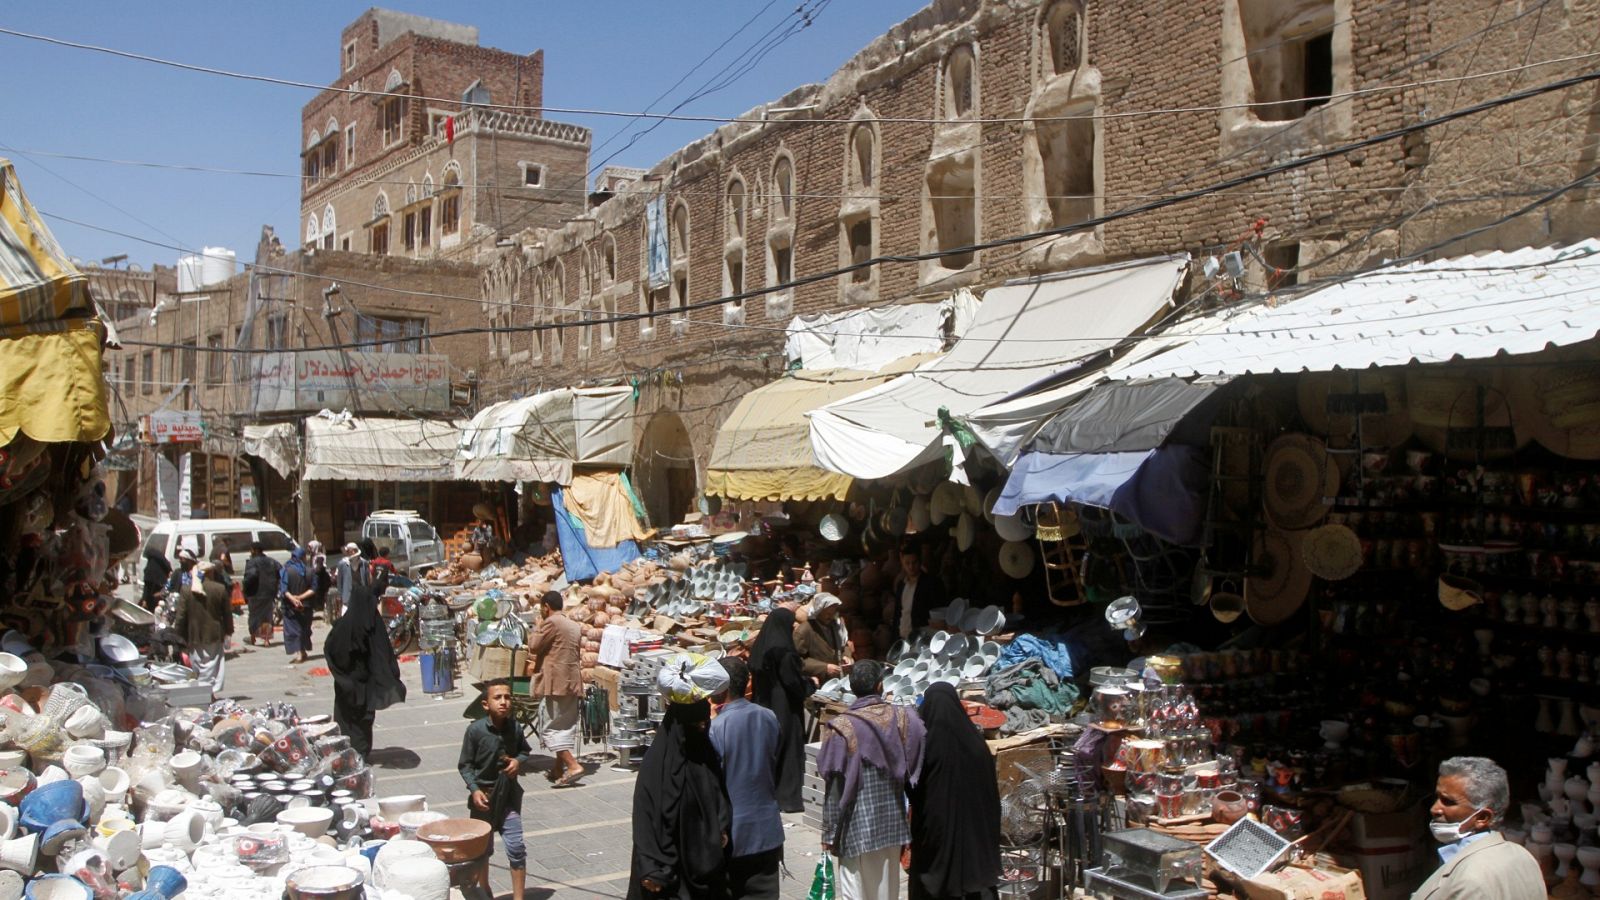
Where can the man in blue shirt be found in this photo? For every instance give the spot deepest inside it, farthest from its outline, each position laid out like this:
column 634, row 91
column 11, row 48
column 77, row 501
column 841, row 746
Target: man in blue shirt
column 746, row 738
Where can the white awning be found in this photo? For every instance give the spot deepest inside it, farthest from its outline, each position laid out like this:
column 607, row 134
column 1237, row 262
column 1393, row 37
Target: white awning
column 869, row 339
column 352, row 449
column 1024, row 332
column 540, row 438
column 276, row 445
column 1470, row 307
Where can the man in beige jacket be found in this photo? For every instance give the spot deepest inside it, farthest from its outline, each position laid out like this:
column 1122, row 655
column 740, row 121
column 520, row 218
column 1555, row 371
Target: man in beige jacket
column 1476, row 862
column 556, row 666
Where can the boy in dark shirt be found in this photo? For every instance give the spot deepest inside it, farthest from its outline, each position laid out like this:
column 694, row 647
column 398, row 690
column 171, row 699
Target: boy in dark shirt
column 493, row 753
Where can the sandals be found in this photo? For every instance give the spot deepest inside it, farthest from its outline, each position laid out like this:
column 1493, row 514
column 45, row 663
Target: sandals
column 568, row 779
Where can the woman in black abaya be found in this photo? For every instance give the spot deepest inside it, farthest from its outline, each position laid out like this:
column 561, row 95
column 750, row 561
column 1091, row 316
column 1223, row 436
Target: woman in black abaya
column 780, row 686
column 681, row 814
column 955, row 807
column 366, row 675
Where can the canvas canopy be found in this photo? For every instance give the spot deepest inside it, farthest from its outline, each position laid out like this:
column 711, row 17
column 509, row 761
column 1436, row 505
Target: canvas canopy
column 347, row 448
column 763, row 449
column 1024, row 331
column 540, row 438
column 276, row 445
column 51, row 384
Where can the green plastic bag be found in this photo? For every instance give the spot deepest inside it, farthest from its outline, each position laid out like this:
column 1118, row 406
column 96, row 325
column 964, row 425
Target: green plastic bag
column 822, row 881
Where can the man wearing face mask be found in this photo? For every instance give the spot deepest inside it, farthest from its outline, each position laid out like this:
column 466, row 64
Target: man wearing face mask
column 1476, row 862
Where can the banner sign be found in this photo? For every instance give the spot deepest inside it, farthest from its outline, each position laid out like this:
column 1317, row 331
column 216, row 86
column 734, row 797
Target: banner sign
column 656, row 226
column 172, row 427
column 307, row 381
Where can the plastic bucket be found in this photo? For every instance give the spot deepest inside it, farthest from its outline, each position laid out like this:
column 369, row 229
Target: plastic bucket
column 438, row 675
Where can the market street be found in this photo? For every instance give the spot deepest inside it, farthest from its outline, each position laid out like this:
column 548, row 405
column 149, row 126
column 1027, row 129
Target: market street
column 578, row 838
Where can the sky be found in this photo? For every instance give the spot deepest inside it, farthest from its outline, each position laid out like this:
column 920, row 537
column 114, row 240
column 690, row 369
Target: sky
column 599, row 54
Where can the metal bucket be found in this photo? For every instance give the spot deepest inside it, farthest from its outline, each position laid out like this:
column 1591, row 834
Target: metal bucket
column 324, row 883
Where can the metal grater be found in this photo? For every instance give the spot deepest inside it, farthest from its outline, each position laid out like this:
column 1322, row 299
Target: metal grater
column 1247, row 848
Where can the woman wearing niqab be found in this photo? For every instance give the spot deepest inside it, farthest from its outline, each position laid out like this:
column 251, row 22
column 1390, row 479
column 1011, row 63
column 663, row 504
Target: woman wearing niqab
column 681, row 814
column 780, row 686
column 955, row 807
column 366, row 675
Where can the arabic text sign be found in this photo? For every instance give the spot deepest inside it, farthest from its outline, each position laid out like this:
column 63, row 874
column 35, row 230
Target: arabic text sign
column 312, row 380
column 173, row 427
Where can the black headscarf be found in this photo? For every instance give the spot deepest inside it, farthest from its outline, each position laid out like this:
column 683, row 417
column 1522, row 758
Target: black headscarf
column 157, row 572
column 955, row 805
column 359, row 656
column 777, row 634
column 681, row 813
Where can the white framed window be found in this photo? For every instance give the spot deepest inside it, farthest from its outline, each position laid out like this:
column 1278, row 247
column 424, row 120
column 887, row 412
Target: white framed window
column 349, row 56
column 349, row 146
column 532, row 173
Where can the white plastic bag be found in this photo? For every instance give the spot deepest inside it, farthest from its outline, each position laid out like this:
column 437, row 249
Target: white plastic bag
column 691, row 677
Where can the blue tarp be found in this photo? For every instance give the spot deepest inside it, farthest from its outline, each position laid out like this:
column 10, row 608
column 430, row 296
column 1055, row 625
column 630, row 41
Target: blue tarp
column 1162, row 491
column 581, row 561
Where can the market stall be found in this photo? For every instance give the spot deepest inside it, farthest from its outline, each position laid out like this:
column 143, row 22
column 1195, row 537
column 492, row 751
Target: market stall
column 1354, row 534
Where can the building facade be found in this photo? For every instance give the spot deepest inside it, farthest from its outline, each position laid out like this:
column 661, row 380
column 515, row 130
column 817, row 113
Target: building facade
column 428, row 145
column 978, row 120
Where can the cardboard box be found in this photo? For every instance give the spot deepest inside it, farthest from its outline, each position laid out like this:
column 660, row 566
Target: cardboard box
column 1393, row 872
column 1296, row 883
column 497, row 662
column 609, row 680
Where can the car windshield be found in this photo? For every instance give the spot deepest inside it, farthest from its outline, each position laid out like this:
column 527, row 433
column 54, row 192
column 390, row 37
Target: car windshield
column 421, row 531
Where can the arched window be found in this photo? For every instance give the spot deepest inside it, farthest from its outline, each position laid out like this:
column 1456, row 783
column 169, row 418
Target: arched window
column 427, row 185
column 863, row 156
column 556, row 300
column 680, row 231
column 329, row 226
column 380, row 205
column 783, row 187
column 450, row 205
column 608, row 261
column 313, row 139
column 960, row 83
column 313, row 230
column 1061, row 38
column 736, row 208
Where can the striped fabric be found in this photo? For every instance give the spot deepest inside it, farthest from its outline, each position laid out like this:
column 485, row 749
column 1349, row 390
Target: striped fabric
column 38, row 283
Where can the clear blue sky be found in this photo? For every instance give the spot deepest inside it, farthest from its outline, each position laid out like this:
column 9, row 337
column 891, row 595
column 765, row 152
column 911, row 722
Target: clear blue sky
column 600, row 54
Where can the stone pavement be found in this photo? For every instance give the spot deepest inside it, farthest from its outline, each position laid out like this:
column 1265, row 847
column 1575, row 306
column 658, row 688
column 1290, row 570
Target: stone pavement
column 578, row 838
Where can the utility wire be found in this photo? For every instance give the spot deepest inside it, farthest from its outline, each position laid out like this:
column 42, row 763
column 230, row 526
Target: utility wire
column 1087, row 224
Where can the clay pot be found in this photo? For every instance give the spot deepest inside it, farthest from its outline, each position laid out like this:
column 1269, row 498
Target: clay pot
column 472, row 562
column 456, row 840
column 1228, row 807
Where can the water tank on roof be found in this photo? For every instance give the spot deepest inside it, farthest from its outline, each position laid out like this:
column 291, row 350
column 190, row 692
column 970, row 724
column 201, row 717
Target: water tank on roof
column 191, row 273
column 217, row 266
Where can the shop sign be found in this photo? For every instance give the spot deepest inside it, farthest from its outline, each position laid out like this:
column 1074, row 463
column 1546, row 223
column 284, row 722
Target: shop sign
column 172, row 427
column 389, row 382
column 248, row 503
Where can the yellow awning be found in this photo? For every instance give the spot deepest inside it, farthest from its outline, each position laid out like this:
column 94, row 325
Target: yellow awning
column 799, row 483
column 763, row 449
column 51, row 388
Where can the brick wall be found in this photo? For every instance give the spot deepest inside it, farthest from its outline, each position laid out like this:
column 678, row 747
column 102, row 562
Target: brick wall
column 1159, row 55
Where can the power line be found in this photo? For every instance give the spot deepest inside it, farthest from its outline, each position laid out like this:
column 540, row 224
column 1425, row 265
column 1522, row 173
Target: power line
column 1086, row 224
column 810, row 120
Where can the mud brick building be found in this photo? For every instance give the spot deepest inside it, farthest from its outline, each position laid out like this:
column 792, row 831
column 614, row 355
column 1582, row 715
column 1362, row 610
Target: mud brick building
column 428, row 145
column 976, row 120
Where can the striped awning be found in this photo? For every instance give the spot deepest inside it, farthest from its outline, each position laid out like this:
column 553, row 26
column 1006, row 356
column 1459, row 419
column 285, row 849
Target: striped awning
column 39, row 285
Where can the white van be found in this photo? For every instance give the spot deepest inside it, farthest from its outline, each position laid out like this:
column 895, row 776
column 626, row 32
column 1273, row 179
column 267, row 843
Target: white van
column 414, row 547
column 201, row 536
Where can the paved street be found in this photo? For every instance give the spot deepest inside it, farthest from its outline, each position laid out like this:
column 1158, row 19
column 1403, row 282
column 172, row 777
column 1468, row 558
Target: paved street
column 578, row 838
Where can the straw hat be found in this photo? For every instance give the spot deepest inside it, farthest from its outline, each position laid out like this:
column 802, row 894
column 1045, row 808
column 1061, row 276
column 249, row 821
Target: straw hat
column 989, row 501
column 946, row 502
column 1332, row 552
column 1016, row 558
column 966, row 532
column 1558, row 405
column 1388, row 428
column 1276, row 593
column 971, row 500
column 921, row 517
column 1012, row 528
column 1457, row 593
column 1299, row 476
column 1446, row 400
